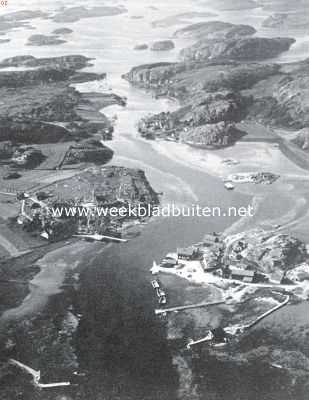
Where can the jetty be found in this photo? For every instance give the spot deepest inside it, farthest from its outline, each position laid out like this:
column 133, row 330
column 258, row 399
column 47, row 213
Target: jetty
column 37, row 376
column 236, row 329
column 100, row 238
column 188, row 307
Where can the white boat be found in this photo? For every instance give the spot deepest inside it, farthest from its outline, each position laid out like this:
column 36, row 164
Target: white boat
column 160, row 292
column 229, row 186
column 155, row 284
column 155, row 268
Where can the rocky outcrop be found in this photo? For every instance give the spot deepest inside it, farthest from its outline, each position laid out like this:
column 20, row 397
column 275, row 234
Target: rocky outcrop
column 44, row 40
column 270, row 252
column 215, row 30
column 181, row 79
column 74, row 14
column 213, row 108
column 215, row 135
column 23, row 15
column 204, row 121
column 302, row 139
column 89, row 150
column 162, row 45
column 145, row 75
column 294, row 20
column 72, row 62
column 246, row 49
column 19, row 19
column 283, row 100
column 62, row 31
column 141, row 47
column 43, row 108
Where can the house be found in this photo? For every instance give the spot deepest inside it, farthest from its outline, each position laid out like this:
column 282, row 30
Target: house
column 188, row 253
column 219, row 335
column 243, row 275
column 277, row 276
column 169, row 261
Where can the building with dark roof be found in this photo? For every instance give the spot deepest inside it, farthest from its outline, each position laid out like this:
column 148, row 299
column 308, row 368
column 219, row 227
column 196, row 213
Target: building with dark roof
column 243, row 275
column 188, row 253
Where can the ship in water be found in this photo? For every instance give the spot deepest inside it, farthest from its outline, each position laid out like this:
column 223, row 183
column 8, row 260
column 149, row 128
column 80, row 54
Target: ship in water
column 159, row 292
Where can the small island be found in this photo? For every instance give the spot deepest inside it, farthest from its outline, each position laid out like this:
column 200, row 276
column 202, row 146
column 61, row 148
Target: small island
column 44, row 40
column 163, row 45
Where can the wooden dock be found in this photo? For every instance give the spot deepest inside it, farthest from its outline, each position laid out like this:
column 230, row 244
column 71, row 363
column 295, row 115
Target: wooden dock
column 36, row 375
column 188, row 307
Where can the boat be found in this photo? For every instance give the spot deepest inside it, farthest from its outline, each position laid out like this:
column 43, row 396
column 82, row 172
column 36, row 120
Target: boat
column 160, row 292
column 155, row 284
column 162, row 300
column 229, row 186
column 155, row 268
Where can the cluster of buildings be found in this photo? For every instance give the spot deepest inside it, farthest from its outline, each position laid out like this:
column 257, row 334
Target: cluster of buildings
column 213, row 256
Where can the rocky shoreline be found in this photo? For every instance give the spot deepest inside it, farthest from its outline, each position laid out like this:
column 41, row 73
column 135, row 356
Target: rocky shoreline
column 216, row 90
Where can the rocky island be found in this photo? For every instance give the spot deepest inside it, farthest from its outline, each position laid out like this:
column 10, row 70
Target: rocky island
column 73, row 14
column 62, row 31
column 217, row 91
column 44, row 40
column 162, row 45
column 19, row 19
column 143, row 46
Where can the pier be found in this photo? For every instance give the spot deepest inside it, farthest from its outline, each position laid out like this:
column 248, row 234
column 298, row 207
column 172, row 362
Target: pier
column 100, row 238
column 238, row 329
column 188, row 307
column 37, row 376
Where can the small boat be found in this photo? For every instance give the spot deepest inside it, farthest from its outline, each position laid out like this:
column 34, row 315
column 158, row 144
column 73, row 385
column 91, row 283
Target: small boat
column 155, row 268
column 161, row 293
column 162, row 300
column 229, row 186
column 155, row 284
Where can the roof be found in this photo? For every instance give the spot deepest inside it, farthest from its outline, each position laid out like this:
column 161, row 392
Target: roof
column 189, row 251
column 243, row 272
